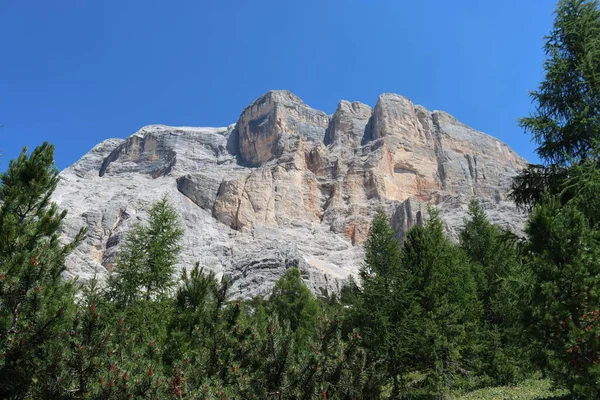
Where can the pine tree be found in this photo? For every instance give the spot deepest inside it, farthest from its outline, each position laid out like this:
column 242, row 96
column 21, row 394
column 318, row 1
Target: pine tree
column 493, row 259
column 445, row 291
column 146, row 264
column 563, row 228
column 564, row 313
column 140, row 304
column 89, row 341
column 331, row 367
column 34, row 302
column 206, row 329
column 385, row 310
column 500, row 277
column 379, row 274
column 192, row 310
column 292, row 301
column 382, row 250
column 565, row 124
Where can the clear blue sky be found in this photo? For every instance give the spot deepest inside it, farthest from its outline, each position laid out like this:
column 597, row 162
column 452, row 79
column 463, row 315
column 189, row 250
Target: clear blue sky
column 76, row 72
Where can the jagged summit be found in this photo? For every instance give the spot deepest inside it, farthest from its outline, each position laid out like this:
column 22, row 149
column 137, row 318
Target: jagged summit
column 286, row 185
column 265, row 126
column 277, row 96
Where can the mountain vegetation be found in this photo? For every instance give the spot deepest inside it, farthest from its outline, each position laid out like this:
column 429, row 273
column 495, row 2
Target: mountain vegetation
column 428, row 319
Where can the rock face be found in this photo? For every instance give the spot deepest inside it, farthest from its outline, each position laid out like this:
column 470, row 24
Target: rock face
column 272, row 123
column 286, row 186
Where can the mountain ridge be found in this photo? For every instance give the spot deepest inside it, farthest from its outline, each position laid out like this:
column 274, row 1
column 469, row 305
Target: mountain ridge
column 286, row 185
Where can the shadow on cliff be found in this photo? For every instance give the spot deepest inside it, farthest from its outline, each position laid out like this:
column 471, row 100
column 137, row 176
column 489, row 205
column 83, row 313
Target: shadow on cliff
column 233, row 147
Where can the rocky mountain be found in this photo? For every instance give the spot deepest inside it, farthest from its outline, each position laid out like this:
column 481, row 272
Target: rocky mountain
column 286, row 186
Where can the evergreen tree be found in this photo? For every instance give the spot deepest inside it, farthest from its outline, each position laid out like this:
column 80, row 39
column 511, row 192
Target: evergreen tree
column 382, row 250
column 146, row 264
column 564, row 316
column 206, row 329
column 293, row 302
column 318, row 363
column 562, row 231
column 34, row 302
column 379, row 273
column 140, row 304
column 89, row 341
column 331, row 367
column 445, row 291
column 192, row 311
column 566, row 123
column 500, row 278
column 479, row 241
column 385, row 311
column 493, row 259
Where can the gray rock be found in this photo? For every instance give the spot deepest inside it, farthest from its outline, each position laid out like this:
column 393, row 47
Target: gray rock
column 270, row 121
column 287, row 186
column 348, row 124
column 201, row 189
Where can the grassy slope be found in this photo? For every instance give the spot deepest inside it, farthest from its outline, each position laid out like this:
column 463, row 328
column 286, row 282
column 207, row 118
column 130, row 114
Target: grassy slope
column 528, row 390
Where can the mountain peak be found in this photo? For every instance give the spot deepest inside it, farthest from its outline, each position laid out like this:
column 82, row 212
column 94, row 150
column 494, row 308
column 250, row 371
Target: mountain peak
column 287, row 185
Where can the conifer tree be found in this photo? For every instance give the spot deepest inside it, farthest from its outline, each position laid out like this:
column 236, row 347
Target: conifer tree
column 562, row 231
column 492, row 258
column 382, row 250
column 564, row 313
column 500, row 277
column 293, row 302
column 34, row 302
column 146, row 264
column 378, row 275
column 385, row 311
column 192, row 310
column 88, row 341
column 565, row 125
column 139, row 296
column 444, row 288
column 206, row 329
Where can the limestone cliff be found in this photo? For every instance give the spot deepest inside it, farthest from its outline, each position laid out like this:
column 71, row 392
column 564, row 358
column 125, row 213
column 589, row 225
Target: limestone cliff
column 286, row 186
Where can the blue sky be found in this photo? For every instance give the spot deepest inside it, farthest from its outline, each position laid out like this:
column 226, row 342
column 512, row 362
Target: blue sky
column 76, row 72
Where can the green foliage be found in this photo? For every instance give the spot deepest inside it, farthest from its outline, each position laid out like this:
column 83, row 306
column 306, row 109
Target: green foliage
column 565, row 124
column 531, row 389
column 417, row 310
column 383, row 310
column 293, row 302
column 430, row 317
column 382, row 250
column 502, row 283
column 138, row 306
column 193, row 302
column 481, row 242
column 564, row 255
column 147, row 261
column 446, row 294
column 34, row 303
column 252, row 352
column 562, row 247
column 88, row 341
